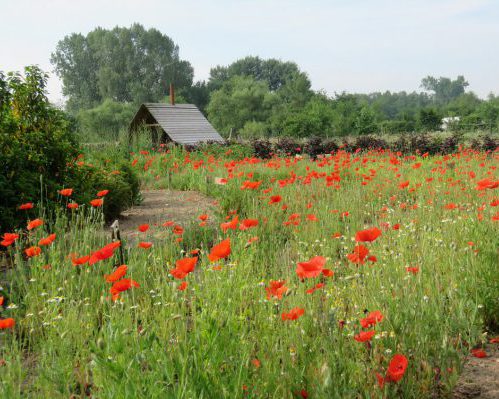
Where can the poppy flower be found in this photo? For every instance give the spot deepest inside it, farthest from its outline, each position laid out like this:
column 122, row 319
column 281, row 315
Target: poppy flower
column 232, row 225
column 33, row 251
column 220, row 251
column 66, row 192
column 412, row 269
column 487, row 184
column 368, row 235
column 276, row 289
column 178, row 230
column 183, row 285
column 248, row 223
column 102, row 193
column 293, row 314
column 396, row 226
column 9, row 239
column 34, row 224
column 1, row 300
column 96, row 203
column 143, row 228
column 26, row 206
column 364, row 336
column 72, row 205
column 104, row 253
column 256, row 363
column 275, row 199
column 47, row 240
column 358, row 255
column 396, row 368
column 168, row 223
column 372, row 319
column 203, row 217
column 183, row 267
column 145, row 244
column 121, row 286
column 479, row 353
column 327, row 273
column 119, row 273
column 80, row 261
column 312, row 268
column 7, row 323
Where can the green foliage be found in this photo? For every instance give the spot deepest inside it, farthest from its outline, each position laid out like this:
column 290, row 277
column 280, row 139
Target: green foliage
column 131, row 65
column 429, row 119
column 240, row 100
column 35, row 140
column 109, row 117
column 444, row 89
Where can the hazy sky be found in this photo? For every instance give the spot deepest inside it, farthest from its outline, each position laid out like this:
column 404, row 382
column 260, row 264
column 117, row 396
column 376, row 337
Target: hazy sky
column 344, row 45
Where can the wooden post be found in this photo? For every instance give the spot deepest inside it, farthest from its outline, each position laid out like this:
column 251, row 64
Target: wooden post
column 115, row 236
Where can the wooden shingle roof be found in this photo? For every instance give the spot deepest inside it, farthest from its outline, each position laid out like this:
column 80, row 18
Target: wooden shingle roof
column 183, row 123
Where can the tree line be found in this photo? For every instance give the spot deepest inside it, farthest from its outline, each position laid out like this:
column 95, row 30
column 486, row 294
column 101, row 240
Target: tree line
column 108, row 73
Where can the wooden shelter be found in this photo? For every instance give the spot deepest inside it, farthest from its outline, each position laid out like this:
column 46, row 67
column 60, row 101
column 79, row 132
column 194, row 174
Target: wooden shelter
column 177, row 123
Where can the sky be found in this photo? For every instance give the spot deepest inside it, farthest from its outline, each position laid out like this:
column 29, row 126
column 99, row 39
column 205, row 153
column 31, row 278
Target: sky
column 356, row 46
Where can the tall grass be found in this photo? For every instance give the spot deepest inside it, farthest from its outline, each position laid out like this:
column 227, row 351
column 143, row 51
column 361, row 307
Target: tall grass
column 157, row 341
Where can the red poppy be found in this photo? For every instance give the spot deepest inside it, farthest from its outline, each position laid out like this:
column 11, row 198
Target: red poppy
column 183, row 267
column 145, row 244
column 119, row 273
column 168, row 223
column 47, row 240
column 203, row 217
column 9, row 239
column 104, row 253
column 293, row 314
column 72, row 205
column 396, row 368
column 34, row 224
column 26, row 206
column 480, row 353
column 487, row 184
column 312, row 268
column 121, row 286
column 7, row 323
column 232, row 225
column 396, row 226
column 368, row 235
column 364, row 336
column 248, row 223
column 220, row 251
column 183, row 285
column 102, row 193
column 143, row 228
column 276, row 289
column 372, row 319
column 33, row 251
column 327, row 273
column 275, row 199
column 96, row 203
column 358, row 255
column 1, row 300
column 178, row 230
column 66, row 192
column 412, row 269
column 80, row 261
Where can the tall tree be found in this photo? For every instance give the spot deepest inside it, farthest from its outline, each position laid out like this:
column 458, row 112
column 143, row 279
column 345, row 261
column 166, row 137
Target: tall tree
column 123, row 64
column 445, row 89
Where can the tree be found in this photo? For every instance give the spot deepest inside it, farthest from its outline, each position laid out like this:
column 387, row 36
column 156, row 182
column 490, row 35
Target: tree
column 444, row 89
column 365, row 122
column 429, row 119
column 108, row 117
column 274, row 72
column 132, row 65
column 240, row 100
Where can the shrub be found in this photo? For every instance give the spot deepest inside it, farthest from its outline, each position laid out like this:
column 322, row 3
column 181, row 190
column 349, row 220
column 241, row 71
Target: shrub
column 262, row 148
column 370, row 143
column 314, row 147
column 288, row 146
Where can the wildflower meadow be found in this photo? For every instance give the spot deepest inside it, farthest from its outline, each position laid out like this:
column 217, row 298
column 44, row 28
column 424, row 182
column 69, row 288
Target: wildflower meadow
column 364, row 274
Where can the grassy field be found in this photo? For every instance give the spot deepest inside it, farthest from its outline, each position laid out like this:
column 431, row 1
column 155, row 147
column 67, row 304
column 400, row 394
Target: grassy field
column 367, row 275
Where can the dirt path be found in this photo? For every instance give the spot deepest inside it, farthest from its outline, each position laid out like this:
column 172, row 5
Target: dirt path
column 480, row 377
column 159, row 206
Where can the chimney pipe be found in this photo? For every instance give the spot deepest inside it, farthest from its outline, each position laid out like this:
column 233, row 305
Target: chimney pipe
column 172, row 94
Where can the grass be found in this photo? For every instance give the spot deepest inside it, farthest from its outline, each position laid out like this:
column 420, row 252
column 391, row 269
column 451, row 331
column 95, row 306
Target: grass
column 222, row 337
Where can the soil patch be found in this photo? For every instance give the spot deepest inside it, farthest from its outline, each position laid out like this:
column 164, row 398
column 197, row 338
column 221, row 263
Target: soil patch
column 159, row 206
column 480, row 377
